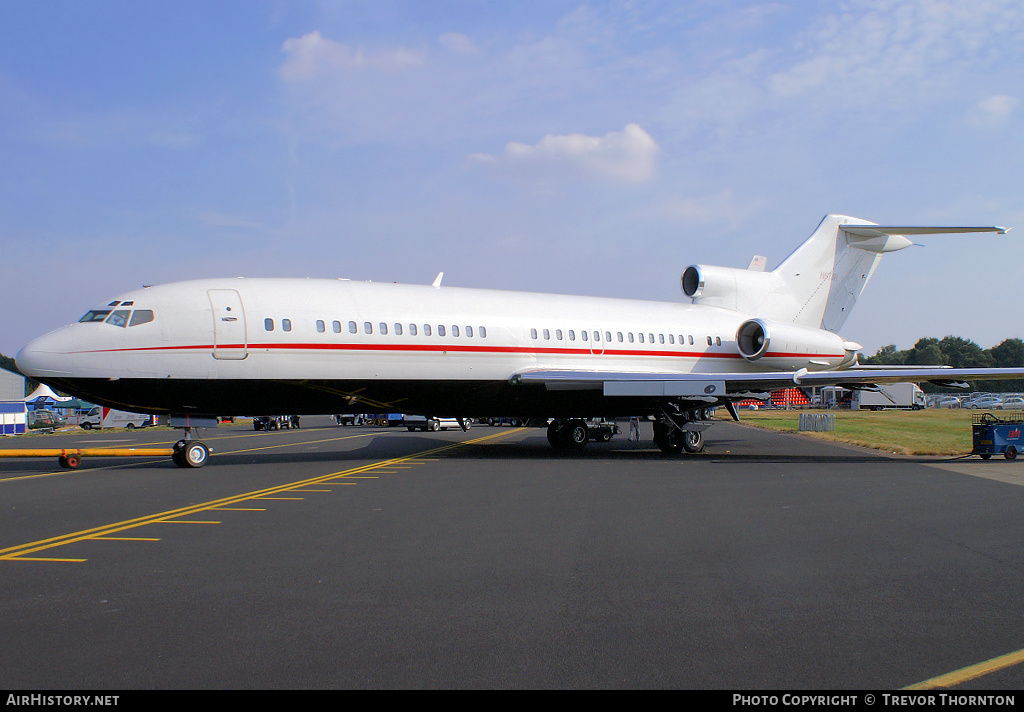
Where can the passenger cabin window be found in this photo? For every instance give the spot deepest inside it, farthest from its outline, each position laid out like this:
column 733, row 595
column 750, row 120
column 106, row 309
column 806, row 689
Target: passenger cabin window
column 469, row 331
column 320, row 326
column 337, row 326
column 455, row 330
column 426, row 329
column 483, row 332
column 383, row 328
column 533, row 333
column 368, row 327
column 353, row 328
column 440, row 329
column 286, row 324
column 268, row 324
column 398, row 329
column 412, row 330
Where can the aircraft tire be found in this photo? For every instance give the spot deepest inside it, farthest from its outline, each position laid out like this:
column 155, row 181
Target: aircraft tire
column 666, row 440
column 575, row 435
column 693, row 441
column 195, row 454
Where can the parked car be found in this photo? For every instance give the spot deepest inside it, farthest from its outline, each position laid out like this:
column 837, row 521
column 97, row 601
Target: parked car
column 421, row 422
column 44, row 419
column 988, row 403
column 272, row 422
column 1013, row 403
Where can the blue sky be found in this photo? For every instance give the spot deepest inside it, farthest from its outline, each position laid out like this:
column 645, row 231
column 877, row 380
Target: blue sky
column 573, row 147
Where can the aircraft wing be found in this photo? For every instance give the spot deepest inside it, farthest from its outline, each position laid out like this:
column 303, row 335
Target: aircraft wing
column 736, row 386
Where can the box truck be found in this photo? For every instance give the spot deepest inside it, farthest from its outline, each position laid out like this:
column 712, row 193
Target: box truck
column 906, row 396
column 100, row 417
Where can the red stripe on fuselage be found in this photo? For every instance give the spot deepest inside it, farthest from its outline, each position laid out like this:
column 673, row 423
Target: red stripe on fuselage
column 444, row 348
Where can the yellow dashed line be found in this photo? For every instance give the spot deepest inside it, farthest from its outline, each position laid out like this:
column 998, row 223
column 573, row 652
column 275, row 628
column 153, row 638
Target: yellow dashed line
column 22, row 552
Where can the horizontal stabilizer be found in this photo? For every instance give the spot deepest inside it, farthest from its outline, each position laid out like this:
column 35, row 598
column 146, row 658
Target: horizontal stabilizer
column 879, row 230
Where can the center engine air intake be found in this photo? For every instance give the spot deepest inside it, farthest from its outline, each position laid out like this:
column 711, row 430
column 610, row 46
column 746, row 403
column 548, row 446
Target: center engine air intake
column 786, row 346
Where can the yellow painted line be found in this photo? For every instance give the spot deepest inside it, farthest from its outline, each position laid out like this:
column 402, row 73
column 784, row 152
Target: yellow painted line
column 282, row 499
column 59, row 561
column 184, row 521
column 971, row 672
column 22, row 552
column 125, row 538
column 240, row 509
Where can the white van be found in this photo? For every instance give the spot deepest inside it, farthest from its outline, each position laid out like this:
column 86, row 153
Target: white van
column 100, row 417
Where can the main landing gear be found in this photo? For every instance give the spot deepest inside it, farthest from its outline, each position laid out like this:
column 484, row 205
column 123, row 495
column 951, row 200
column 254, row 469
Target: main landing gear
column 568, row 434
column 676, row 432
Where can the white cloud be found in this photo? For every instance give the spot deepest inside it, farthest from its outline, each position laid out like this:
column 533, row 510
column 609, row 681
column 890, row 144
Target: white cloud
column 313, row 54
column 993, row 111
column 910, row 49
column 628, row 155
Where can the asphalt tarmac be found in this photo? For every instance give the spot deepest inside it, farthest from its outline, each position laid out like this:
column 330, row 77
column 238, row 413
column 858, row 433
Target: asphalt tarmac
column 358, row 557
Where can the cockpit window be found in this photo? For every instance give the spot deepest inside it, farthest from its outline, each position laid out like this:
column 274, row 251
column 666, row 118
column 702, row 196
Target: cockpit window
column 95, row 315
column 141, row 316
column 119, row 317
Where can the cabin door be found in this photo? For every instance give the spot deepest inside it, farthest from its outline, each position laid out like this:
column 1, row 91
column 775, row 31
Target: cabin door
column 229, row 335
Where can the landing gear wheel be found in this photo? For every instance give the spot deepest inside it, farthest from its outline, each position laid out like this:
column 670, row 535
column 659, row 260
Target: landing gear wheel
column 693, row 441
column 190, row 453
column 554, row 428
column 195, row 454
column 577, row 434
column 568, row 434
column 665, row 437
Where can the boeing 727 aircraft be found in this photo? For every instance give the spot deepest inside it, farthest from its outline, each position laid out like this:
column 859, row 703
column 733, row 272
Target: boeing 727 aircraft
column 196, row 349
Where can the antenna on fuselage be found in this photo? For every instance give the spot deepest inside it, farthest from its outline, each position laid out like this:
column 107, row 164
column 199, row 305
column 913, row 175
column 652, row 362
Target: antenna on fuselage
column 437, row 281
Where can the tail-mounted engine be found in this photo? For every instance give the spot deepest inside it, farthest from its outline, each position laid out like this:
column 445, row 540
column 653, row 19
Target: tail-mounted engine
column 738, row 289
column 788, row 346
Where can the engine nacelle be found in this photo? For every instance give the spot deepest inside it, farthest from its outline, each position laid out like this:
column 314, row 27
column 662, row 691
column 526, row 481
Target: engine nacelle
column 737, row 289
column 788, row 346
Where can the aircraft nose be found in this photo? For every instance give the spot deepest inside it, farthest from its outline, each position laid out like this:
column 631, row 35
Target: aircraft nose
column 45, row 356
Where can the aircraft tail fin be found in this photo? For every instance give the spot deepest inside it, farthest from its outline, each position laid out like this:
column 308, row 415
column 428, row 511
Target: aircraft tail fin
column 819, row 283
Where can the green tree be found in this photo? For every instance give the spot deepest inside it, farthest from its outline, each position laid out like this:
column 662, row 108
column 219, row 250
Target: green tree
column 964, row 353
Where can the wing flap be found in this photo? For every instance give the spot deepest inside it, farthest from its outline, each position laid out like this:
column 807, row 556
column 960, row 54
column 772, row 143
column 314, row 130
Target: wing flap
column 737, row 385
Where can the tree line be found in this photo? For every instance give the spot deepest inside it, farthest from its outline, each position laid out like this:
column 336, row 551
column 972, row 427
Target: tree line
column 958, row 353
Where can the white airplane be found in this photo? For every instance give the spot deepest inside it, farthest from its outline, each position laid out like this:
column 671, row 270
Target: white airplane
column 196, row 349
